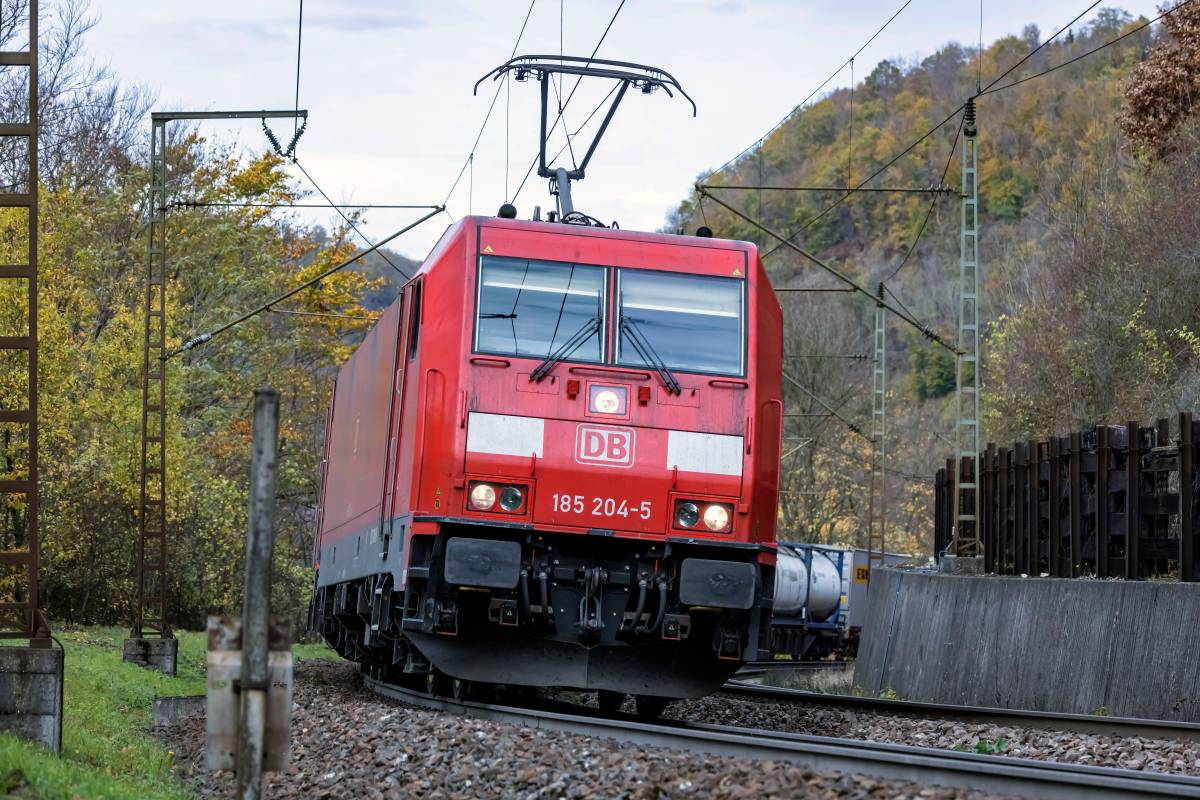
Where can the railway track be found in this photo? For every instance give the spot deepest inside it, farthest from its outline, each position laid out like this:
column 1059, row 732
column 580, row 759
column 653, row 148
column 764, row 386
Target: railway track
column 1078, row 723
column 756, row 669
column 996, row 774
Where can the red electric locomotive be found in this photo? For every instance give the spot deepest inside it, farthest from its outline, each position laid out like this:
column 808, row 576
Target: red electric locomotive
column 554, row 461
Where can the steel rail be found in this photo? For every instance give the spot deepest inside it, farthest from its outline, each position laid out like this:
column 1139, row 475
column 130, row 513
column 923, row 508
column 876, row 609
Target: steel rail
column 751, row 668
column 923, row 765
column 1079, row 723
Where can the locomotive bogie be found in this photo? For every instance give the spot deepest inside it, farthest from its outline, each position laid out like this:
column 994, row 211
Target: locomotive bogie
column 667, row 618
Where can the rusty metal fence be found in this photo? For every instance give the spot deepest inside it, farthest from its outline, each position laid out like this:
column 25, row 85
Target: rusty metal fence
column 1110, row 502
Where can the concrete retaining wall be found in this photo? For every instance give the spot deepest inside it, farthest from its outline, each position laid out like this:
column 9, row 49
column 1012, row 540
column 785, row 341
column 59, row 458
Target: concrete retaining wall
column 1130, row 647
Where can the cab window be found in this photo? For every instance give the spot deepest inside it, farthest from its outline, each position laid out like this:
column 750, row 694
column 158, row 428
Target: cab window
column 527, row 307
column 693, row 323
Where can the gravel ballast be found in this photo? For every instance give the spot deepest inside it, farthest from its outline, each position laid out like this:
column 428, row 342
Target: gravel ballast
column 779, row 714
column 349, row 743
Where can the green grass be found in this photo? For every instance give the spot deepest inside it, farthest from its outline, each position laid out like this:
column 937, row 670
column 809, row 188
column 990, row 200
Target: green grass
column 108, row 751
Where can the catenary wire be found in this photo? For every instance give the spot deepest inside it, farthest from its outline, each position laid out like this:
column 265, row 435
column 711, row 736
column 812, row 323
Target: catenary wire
column 570, row 96
column 932, row 130
column 1082, row 56
column 850, row 282
column 832, row 411
column 491, row 107
column 203, row 338
column 813, row 93
column 346, row 217
column 222, row 204
column 932, row 204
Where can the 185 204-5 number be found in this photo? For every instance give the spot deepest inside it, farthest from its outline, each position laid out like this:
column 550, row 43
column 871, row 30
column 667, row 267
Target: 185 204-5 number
column 601, row 506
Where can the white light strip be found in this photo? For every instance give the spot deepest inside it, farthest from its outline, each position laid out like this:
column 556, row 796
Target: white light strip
column 529, row 287
column 678, row 310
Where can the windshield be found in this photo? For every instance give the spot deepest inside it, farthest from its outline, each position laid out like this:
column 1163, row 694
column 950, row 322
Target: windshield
column 693, row 323
column 531, row 308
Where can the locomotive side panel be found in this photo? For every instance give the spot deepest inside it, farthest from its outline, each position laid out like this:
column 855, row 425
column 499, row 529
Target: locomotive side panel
column 769, row 404
column 356, row 454
column 442, row 428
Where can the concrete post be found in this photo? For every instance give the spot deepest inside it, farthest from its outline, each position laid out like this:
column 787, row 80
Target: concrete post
column 256, row 608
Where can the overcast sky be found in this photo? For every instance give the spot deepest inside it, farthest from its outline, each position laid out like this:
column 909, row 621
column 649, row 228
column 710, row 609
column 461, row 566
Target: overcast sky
column 388, row 84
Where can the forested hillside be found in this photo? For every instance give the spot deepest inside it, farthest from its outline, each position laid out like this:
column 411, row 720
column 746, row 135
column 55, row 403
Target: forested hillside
column 1090, row 253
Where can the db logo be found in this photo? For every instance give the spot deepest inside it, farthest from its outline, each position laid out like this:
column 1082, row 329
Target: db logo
column 607, row 445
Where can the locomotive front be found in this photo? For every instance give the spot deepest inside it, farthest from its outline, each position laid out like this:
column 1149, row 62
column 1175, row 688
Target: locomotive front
column 565, row 474
column 613, row 521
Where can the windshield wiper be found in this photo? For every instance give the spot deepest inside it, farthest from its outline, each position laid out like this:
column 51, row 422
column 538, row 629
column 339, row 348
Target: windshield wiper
column 589, row 329
column 649, row 355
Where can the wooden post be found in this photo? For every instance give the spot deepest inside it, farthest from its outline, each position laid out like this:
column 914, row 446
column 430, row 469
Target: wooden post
column 1035, row 503
column 987, row 509
column 1003, row 510
column 1076, row 493
column 1054, row 531
column 1102, row 454
column 1133, row 488
column 259, row 542
column 1021, row 508
column 1187, row 508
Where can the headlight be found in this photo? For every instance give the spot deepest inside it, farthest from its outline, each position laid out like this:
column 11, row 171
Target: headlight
column 687, row 514
column 607, row 399
column 716, row 518
column 511, row 498
column 483, row 497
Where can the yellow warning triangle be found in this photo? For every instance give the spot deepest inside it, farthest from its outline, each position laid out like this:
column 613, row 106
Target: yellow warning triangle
column 487, row 248
column 737, row 272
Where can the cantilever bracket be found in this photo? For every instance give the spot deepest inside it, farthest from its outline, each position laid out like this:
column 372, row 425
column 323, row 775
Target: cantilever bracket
column 626, row 73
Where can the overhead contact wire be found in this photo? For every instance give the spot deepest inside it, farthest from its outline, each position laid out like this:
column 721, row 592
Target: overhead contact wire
column 570, row 96
column 349, row 221
column 932, row 204
column 800, row 106
column 850, row 282
column 203, row 338
column 934, row 129
column 1082, row 56
column 491, row 107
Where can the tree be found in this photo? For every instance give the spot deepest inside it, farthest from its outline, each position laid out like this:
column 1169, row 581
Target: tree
column 1165, row 88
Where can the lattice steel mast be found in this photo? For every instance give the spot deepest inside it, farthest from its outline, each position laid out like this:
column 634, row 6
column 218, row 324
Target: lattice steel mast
column 877, row 530
column 966, row 495
column 19, row 555
column 151, row 641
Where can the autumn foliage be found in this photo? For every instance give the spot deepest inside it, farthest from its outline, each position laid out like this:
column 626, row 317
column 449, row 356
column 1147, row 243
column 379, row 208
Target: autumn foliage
column 1164, row 90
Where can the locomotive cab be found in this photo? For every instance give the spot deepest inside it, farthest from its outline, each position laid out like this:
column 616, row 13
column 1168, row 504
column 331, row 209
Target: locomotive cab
column 554, row 461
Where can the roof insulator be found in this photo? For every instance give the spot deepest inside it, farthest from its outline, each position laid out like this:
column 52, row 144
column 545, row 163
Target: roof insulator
column 969, row 117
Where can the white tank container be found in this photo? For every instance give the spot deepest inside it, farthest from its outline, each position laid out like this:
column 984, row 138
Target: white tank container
column 798, row 588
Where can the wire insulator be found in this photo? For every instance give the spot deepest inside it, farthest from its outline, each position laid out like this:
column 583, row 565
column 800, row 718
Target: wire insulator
column 291, row 148
column 271, row 138
column 969, row 117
